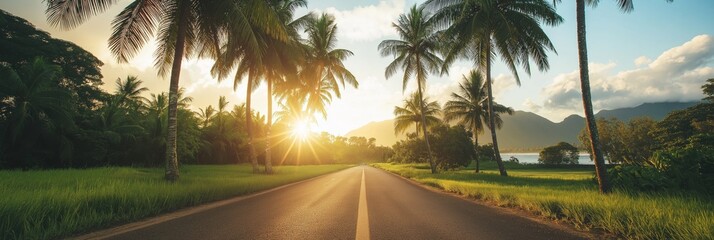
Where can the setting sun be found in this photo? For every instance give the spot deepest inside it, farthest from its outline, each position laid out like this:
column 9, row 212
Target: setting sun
column 301, row 129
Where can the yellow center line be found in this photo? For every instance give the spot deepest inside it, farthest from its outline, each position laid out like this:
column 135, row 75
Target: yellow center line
column 362, row 217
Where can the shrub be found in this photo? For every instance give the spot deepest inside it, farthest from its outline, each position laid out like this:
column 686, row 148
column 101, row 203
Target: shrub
column 638, row 178
column 451, row 147
column 561, row 153
column 689, row 168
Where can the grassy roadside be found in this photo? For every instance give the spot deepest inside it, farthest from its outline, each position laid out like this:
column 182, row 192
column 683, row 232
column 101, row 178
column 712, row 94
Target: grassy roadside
column 570, row 195
column 56, row 203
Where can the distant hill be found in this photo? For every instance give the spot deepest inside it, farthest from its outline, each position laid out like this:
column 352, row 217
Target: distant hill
column 527, row 130
column 383, row 131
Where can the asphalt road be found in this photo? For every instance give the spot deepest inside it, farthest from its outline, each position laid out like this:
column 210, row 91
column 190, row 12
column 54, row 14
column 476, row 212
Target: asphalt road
column 356, row 203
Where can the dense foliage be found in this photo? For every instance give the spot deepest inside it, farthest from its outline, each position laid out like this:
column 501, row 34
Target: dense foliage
column 674, row 154
column 629, row 143
column 561, row 153
column 54, row 115
column 453, row 148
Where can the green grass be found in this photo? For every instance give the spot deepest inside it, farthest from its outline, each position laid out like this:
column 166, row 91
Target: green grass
column 570, row 194
column 58, row 203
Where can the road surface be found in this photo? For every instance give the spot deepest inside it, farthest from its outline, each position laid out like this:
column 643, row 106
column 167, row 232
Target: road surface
column 357, row 203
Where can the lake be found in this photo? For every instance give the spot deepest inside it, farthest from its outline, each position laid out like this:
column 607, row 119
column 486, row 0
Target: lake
column 584, row 158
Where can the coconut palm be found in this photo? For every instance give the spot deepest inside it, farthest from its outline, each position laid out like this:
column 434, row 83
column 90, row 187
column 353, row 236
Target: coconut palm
column 127, row 95
column 281, row 60
column 185, row 28
column 206, row 115
column 469, row 107
column 274, row 58
column 411, row 114
column 415, row 53
column 626, row 6
column 481, row 29
column 323, row 69
column 222, row 105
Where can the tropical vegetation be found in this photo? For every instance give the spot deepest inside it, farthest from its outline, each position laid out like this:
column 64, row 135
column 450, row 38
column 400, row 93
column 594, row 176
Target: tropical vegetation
column 469, row 107
column 416, row 54
column 479, row 30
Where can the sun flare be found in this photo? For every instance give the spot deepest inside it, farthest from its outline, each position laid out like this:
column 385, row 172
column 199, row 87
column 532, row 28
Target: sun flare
column 301, row 129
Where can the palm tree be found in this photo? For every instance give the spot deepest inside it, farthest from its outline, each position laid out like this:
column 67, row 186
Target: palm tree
column 626, row 6
column 31, row 105
column 323, row 66
column 127, row 95
column 411, row 114
column 206, row 115
column 415, row 54
column 267, row 60
column 469, row 107
column 222, row 104
column 129, row 90
column 281, row 60
column 480, row 29
column 292, row 110
column 185, row 28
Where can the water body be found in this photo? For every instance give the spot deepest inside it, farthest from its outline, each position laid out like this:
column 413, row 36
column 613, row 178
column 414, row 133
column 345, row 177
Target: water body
column 584, row 158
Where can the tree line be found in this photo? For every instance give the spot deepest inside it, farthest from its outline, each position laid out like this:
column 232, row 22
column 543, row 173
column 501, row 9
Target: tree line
column 438, row 32
column 54, row 114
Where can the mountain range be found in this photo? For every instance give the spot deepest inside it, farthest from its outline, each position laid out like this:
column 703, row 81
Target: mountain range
column 529, row 131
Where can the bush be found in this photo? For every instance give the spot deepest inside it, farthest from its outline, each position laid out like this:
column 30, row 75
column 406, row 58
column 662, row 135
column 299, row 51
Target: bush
column 689, row 168
column 561, row 153
column 638, row 178
column 485, row 152
column 451, row 147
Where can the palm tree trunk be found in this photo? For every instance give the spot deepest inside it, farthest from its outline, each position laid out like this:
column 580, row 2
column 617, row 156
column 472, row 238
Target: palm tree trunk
column 172, row 171
column 268, row 163
column 423, row 123
column 491, row 121
column 249, row 126
column 475, row 133
column 587, row 100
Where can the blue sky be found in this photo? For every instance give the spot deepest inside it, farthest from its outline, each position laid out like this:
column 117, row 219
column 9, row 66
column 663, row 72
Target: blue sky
column 659, row 52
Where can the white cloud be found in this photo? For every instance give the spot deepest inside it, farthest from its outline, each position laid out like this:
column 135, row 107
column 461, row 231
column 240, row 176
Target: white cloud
column 640, row 61
column 501, row 83
column 676, row 75
column 532, row 106
column 367, row 23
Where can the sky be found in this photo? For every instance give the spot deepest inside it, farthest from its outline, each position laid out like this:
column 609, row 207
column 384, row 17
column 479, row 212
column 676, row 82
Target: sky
column 659, row 52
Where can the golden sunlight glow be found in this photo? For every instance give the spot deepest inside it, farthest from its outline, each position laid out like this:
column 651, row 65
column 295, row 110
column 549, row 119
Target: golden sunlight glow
column 301, row 129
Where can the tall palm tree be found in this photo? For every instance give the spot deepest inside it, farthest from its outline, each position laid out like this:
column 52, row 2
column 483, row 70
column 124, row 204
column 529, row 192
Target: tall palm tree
column 323, row 69
column 411, row 114
column 185, row 28
column 268, row 60
column 281, row 60
column 415, row 53
column 481, row 29
column 469, row 107
column 626, row 6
